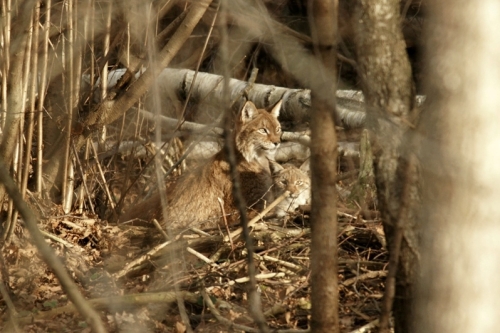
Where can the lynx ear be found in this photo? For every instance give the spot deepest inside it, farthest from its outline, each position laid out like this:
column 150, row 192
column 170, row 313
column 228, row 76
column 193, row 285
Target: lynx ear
column 275, row 112
column 306, row 167
column 275, row 167
column 248, row 112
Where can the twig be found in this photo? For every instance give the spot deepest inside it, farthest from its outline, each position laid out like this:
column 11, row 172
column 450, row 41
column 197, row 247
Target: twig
column 73, row 225
column 357, row 262
column 366, row 276
column 279, row 261
column 55, row 238
column 221, row 203
column 200, row 232
column 201, row 256
column 216, row 256
column 260, row 277
column 158, row 226
column 140, row 260
column 238, row 231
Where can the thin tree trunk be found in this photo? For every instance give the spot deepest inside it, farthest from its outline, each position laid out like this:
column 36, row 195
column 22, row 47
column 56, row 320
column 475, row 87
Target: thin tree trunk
column 67, row 169
column 15, row 102
column 459, row 290
column 324, row 288
column 32, row 99
column 41, row 99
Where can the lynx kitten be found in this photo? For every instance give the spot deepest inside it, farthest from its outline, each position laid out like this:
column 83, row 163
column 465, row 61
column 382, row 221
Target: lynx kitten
column 194, row 198
column 292, row 179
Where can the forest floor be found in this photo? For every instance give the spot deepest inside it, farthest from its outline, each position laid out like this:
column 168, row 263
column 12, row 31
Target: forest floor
column 131, row 274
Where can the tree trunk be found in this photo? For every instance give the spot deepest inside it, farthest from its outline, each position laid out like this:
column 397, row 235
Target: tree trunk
column 15, row 104
column 54, row 138
column 386, row 79
column 459, row 290
column 324, row 283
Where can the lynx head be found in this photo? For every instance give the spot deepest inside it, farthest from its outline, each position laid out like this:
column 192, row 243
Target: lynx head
column 292, row 179
column 257, row 131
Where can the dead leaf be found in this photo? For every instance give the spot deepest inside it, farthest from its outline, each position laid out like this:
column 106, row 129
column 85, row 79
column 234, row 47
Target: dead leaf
column 180, row 327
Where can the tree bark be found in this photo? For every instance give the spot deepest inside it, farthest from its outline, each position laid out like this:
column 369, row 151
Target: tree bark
column 458, row 291
column 386, row 79
column 324, row 283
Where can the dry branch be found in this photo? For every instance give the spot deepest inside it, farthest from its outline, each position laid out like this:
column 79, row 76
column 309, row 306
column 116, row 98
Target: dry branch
column 366, row 276
column 138, row 261
column 115, row 303
column 367, row 328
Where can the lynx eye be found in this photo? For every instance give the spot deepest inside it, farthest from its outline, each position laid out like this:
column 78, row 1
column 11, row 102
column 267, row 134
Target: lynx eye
column 264, row 131
column 299, row 182
column 278, row 130
column 283, row 181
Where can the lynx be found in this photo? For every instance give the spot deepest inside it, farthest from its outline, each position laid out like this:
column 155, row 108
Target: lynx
column 194, row 198
column 292, row 179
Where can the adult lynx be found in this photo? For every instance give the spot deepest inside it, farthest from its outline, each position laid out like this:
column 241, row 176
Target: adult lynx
column 194, row 198
column 292, row 179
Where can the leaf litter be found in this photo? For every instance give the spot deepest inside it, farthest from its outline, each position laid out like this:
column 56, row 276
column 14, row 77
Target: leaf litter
column 132, row 281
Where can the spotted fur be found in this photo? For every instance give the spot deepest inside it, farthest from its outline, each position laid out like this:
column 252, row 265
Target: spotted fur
column 292, row 179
